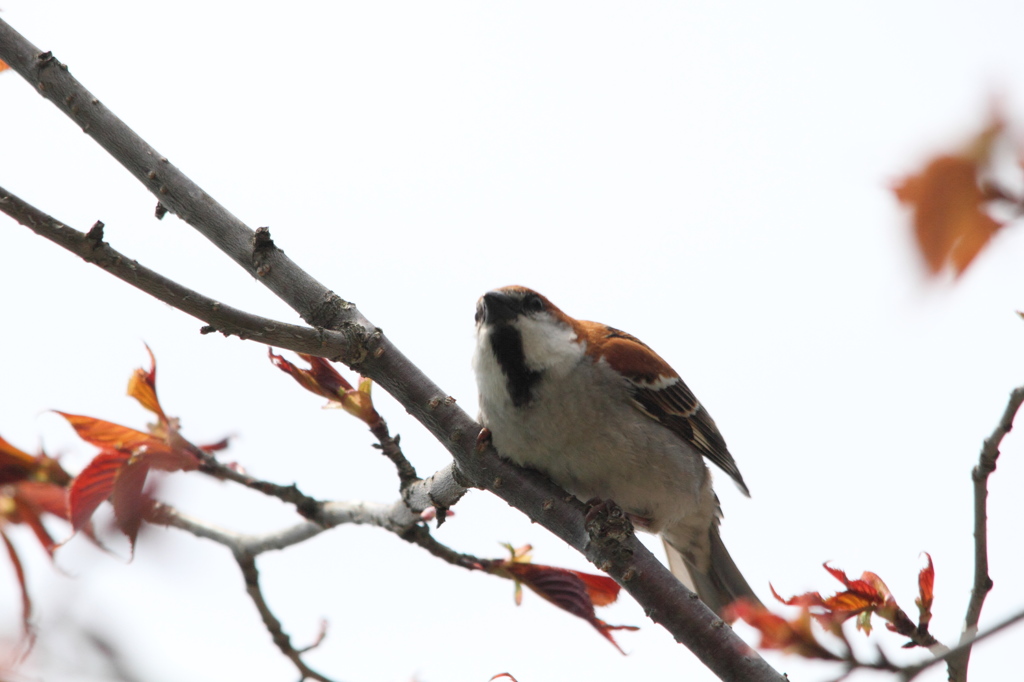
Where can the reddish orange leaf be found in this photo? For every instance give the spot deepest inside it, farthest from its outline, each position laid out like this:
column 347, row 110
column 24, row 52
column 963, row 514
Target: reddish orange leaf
column 104, row 434
column 793, row 637
column 93, row 485
column 951, row 219
column 601, row 589
column 142, row 387
column 19, row 570
column 864, row 597
column 32, row 499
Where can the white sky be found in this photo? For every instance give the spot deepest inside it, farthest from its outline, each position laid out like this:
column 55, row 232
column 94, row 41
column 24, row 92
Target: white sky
column 710, row 177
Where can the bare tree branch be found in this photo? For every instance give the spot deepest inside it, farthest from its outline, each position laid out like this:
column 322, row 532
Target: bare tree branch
column 390, row 448
column 245, row 549
column 220, row 317
column 958, row 663
column 252, row 586
column 611, row 548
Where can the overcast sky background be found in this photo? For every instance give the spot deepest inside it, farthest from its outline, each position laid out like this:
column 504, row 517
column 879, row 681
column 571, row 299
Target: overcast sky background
column 712, row 177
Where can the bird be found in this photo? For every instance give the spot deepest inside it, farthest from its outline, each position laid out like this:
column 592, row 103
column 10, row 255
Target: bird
column 607, row 419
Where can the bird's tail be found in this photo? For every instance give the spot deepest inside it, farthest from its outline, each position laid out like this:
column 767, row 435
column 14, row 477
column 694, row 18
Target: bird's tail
column 720, row 584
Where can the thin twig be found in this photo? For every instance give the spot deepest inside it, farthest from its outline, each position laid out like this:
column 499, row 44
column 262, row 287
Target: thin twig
column 247, row 563
column 420, row 535
column 957, row 664
column 307, row 506
column 910, row 672
column 245, row 548
column 390, row 448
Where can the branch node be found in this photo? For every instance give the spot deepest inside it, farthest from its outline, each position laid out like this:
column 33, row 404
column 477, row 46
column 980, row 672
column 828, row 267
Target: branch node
column 95, row 234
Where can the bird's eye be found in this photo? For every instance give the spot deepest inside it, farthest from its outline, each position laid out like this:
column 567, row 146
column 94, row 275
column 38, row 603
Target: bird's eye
column 533, row 304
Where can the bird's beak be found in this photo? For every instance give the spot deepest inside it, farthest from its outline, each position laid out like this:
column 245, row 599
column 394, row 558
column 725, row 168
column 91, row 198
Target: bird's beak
column 497, row 307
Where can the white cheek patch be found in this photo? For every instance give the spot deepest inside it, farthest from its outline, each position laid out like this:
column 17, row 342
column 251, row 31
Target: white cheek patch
column 548, row 343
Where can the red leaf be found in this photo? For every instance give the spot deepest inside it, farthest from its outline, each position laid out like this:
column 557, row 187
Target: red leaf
column 94, row 485
column 26, row 601
column 602, row 589
column 34, row 498
column 305, row 377
column 925, row 583
column 129, row 500
column 321, row 378
column 325, row 375
column 565, row 589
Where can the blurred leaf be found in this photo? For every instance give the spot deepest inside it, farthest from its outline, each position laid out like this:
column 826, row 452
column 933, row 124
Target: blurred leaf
column 128, row 498
column 222, row 444
column 789, row 636
column 168, row 453
column 94, row 485
column 107, row 435
column 33, row 499
column 15, row 464
column 950, row 203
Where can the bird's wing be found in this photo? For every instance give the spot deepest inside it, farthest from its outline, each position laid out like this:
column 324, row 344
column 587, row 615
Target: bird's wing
column 660, row 393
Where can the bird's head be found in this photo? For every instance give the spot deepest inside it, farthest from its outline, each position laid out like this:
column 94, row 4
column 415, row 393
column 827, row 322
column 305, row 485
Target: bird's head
column 526, row 332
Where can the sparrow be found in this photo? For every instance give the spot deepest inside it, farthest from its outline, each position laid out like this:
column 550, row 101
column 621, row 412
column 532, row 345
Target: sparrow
column 606, row 418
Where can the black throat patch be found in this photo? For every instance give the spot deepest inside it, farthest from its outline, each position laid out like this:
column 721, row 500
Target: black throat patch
column 507, row 343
